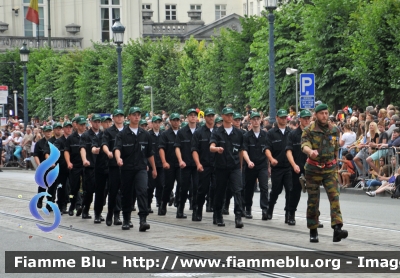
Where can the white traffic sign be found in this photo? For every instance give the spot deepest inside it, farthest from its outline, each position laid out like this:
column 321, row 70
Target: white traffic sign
column 307, row 84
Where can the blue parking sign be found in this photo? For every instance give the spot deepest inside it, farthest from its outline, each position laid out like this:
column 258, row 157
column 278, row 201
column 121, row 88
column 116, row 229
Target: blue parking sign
column 307, row 84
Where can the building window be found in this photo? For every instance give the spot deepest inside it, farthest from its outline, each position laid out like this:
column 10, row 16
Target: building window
column 251, row 8
column 195, row 7
column 244, row 9
column 170, row 12
column 146, row 7
column 30, row 28
column 220, row 11
column 110, row 10
column 258, row 8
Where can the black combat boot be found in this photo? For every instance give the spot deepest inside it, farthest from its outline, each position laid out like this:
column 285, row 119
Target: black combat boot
column 117, row 220
column 238, row 221
column 320, row 225
column 78, row 210
column 85, row 213
column 269, row 212
column 109, row 218
column 64, row 209
column 199, row 213
column 314, row 235
column 162, row 209
column 225, row 210
column 171, row 199
column 190, row 204
column 150, row 210
column 71, row 209
column 179, row 212
column 143, row 224
column 97, row 219
column 291, row 220
column 219, row 219
column 126, row 225
column 209, row 207
column 194, row 214
column 247, row 214
column 339, row 234
column 286, row 217
column 264, row 214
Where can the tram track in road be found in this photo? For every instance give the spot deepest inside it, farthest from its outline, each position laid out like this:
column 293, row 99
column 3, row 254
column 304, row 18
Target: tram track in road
column 227, row 232
column 141, row 244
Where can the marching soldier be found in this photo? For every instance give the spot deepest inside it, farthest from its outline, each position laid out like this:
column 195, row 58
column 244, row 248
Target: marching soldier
column 297, row 160
column 170, row 163
column 189, row 175
column 320, row 143
column 62, row 194
column 227, row 142
column 114, row 173
column 157, row 183
column 254, row 145
column 89, row 162
column 204, row 160
column 133, row 150
column 75, row 165
column 280, row 167
column 40, row 154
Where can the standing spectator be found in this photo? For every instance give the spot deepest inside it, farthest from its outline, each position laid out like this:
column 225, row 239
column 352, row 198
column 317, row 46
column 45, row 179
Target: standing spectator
column 347, row 138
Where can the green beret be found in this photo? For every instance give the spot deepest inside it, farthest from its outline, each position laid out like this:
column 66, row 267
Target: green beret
column 321, row 107
column 305, row 113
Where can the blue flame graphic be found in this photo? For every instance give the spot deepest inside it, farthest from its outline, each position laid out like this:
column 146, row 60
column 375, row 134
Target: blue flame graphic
column 40, row 177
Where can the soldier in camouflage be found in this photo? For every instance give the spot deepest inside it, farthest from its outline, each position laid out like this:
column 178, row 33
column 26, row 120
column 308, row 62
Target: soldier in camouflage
column 320, row 142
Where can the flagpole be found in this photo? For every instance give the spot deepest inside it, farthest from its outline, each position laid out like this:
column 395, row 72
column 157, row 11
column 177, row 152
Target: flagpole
column 49, row 30
column 37, row 35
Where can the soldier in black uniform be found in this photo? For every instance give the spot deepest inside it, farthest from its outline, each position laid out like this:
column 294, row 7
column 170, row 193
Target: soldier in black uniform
column 89, row 163
column 227, row 142
column 297, row 160
column 158, row 183
column 189, row 175
column 170, row 162
column 204, row 160
column 75, row 165
column 101, row 169
column 133, row 150
column 254, row 145
column 281, row 174
column 114, row 173
column 39, row 154
column 62, row 194
column 57, row 132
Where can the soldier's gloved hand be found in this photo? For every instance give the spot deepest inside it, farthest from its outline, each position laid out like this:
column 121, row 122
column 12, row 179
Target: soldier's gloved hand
column 314, row 154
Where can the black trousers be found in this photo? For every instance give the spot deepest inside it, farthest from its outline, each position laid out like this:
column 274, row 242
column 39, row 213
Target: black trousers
column 189, row 179
column 229, row 194
column 295, row 193
column 89, row 186
column 75, row 178
column 114, row 185
column 280, row 177
column 134, row 180
column 251, row 177
column 155, row 184
column 101, row 179
column 231, row 178
column 211, row 192
column 62, row 192
column 204, row 186
column 171, row 175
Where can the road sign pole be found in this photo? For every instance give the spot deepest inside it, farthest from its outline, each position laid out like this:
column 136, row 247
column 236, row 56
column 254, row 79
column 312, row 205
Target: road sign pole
column 297, row 97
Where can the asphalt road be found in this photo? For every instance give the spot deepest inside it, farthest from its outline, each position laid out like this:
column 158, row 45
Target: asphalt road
column 373, row 225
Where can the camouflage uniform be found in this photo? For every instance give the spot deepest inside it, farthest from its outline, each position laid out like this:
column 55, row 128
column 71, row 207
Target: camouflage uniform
column 325, row 140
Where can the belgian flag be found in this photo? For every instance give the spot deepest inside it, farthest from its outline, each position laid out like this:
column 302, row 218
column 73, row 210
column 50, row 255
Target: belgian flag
column 33, row 12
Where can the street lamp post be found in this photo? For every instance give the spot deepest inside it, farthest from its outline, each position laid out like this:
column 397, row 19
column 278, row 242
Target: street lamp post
column 290, row 71
column 24, row 56
column 50, row 99
column 271, row 5
column 151, row 96
column 118, row 35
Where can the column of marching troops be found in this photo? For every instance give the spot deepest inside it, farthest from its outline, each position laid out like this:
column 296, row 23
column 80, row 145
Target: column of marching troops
column 212, row 162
